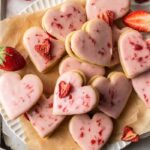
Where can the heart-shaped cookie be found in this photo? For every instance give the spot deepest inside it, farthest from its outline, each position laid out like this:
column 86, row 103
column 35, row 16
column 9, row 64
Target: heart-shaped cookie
column 91, row 134
column 19, row 95
column 115, row 91
column 71, row 97
column 93, row 43
column 43, row 50
column 141, row 85
column 95, row 7
column 71, row 63
column 63, row 19
column 41, row 117
column 134, row 53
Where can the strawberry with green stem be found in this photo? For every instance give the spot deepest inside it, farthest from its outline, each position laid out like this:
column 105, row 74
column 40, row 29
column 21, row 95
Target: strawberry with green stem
column 11, row 59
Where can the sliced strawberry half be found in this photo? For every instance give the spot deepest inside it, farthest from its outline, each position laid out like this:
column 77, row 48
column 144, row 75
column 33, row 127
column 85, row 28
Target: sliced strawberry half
column 138, row 20
column 11, row 59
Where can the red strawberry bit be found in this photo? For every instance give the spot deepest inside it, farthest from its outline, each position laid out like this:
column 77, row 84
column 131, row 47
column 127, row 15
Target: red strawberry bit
column 45, row 49
column 69, row 15
column 81, row 134
column 137, row 47
column 93, row 141
column 11, row 59
column 64, row 89
column 129, row 135
column 57, row 25
column 51, row 105
column 92, row 40
column 64, row 109
column 108, row 16
column 28, row 86
column 100, row 141
column 146, row 98
column 138, row 20
column 109, row 45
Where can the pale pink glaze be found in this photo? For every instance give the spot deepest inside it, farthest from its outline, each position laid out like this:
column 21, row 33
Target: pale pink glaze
column 80, row 100
column 95, row 7
column 114, row 93
column 134, row 53
column 19, row 95
column 34, row 36
column 89, row 70
column 93, row 43
column 141, row 85
column 91, row 134
column 41, row 117
column 62, row 20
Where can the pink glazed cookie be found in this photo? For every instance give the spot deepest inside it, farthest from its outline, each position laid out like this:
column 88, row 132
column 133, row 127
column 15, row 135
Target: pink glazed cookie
column 63, row 19
column 19, row 95
column 43, row 50
column 141, row 85
column 71, row 63
column 93, row 43
column 91, row 134
column 114, row 93
column 95, row 7
column 41, row 117
column 134, row 53
column 71, row 97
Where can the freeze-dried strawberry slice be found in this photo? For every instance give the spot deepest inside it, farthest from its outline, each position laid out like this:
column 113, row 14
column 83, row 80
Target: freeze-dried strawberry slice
column 108, row 16
column 44, row 49
column 64, row 89
column 129, row 135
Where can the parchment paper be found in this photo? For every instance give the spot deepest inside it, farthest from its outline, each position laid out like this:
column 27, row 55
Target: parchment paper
column 135, row 114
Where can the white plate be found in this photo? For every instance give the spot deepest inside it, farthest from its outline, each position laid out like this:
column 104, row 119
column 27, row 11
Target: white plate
column 15, row 125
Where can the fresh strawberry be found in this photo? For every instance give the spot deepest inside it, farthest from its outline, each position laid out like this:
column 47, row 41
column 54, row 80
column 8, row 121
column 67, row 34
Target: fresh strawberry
column 141, row 1
column 138, row 20
column 108, row 16
column 11, row 59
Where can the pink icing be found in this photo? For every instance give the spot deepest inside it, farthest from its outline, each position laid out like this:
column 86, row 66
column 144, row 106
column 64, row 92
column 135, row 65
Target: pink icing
column 114, row 93
column 141, row 85
column 41, row 117
column 61, row 21
column 18, row 96
column 98, row 45
column 71, row 63
column 80, row 99
column 36, row 36
column 100, row 129
column 95, row 7
column 134, row 53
